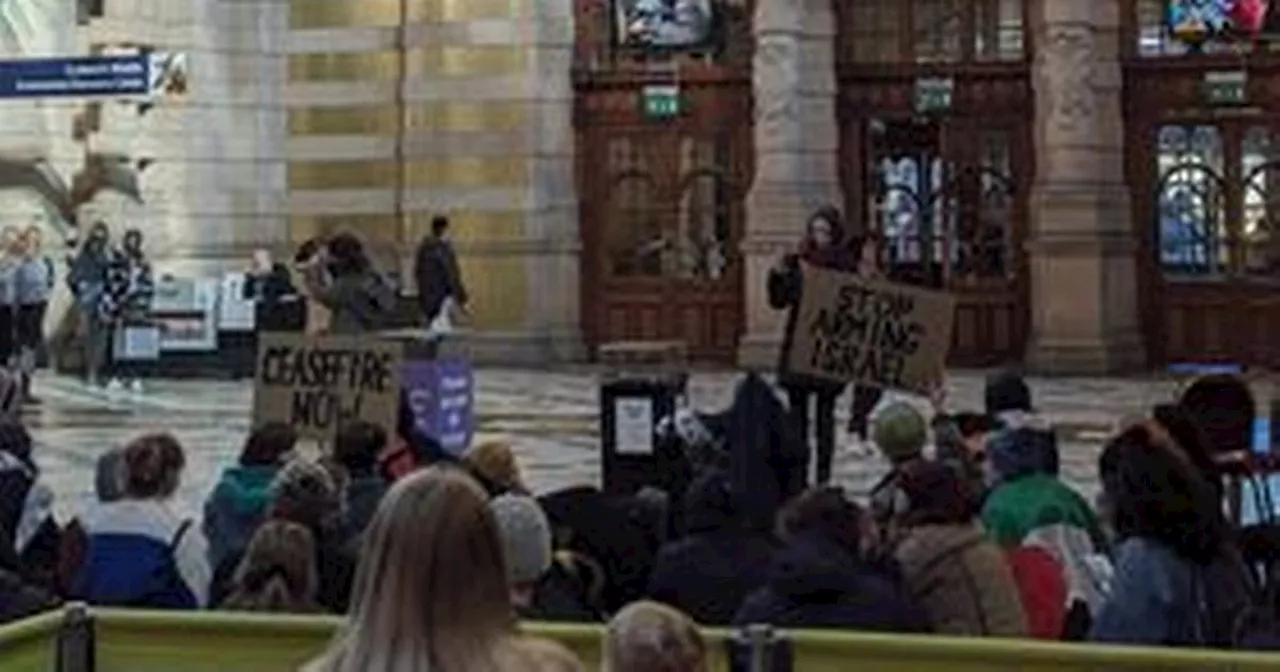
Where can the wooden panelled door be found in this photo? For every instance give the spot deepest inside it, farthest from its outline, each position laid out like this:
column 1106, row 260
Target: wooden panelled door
column 1205, row 180
column 662, row 219
column 937, row 156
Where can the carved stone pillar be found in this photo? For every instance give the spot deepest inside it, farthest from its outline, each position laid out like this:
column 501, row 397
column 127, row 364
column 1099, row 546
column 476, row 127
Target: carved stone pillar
column 796, row 149
column 1084, row 301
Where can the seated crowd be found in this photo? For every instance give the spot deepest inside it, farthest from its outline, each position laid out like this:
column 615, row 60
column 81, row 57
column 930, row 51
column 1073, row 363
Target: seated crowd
column 971, row 534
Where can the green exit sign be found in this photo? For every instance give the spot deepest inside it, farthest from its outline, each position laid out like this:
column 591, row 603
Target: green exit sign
column 934, row 95
column 1226, row 88
column 661, row 102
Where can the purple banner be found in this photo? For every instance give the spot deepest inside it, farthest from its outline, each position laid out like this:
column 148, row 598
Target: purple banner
column 442, row 397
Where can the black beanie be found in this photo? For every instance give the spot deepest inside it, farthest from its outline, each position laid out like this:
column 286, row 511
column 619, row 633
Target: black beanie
column 1007, row 391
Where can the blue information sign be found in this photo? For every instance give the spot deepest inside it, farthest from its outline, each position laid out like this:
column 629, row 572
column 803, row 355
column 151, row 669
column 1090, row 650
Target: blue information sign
column 87, row 76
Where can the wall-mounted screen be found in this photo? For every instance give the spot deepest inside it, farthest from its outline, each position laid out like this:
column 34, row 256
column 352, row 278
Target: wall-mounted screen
column 665, row 24
column 1198, row 21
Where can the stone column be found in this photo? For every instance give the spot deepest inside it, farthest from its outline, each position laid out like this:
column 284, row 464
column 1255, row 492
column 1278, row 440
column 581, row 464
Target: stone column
column 1084, row 301
column 796, row 149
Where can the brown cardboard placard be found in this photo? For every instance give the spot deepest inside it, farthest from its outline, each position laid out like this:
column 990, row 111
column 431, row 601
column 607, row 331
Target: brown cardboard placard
column 849, row 329
column 318, row 383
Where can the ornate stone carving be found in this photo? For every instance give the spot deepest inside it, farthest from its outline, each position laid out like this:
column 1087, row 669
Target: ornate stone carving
column 777, row 85
column 1065, row 70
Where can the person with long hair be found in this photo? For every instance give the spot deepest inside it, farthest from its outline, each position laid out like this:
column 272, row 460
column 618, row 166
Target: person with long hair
column 822, row 247
column 278, row 573
column 1179, row 579
column 33, row 283
column 431, row 590
column 87, row 278
column 342, row 278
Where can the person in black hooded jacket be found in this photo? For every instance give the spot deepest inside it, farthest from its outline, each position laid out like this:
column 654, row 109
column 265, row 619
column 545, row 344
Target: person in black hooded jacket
column 19, row 599
column 819, row 579
column 709, row 571
column 821, row 247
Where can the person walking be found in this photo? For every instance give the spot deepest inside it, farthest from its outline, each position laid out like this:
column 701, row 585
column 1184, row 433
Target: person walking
column 440, row 286
column 33, row 284
column 821, row 247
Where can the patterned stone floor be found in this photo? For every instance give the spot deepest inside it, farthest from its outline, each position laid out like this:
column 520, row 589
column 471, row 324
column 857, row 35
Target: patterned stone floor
column 551, row 417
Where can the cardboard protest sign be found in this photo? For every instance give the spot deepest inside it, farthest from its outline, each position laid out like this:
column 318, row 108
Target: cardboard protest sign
column 849, row 329
column 318, row 383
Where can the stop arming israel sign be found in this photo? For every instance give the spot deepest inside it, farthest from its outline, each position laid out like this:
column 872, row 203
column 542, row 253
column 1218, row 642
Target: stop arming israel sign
column 849, row 329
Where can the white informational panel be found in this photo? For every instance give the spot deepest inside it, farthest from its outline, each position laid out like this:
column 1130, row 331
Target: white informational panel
column 186, row 311
column 235, row 313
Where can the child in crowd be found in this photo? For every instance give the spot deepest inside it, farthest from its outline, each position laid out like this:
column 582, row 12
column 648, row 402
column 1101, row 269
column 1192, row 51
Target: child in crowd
column 651, row 637
column 278, row 573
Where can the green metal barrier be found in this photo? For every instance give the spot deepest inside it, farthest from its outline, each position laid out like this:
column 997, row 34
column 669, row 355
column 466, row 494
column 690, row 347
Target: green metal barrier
column 31, row 645
column 137, row 641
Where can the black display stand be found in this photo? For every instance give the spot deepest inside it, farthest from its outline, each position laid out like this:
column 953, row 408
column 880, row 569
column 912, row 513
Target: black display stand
column 626, row 471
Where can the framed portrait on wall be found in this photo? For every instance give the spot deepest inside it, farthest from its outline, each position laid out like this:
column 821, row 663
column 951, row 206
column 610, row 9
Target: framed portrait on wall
column 665, row 24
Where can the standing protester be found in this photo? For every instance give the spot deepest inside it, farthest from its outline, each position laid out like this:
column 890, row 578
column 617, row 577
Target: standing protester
column 865, row 397
column 435, row 269
column 88, row 281
column 126, row 300
column 10, row 259
column 821, row 247
column 33, row 284
column 341, row 277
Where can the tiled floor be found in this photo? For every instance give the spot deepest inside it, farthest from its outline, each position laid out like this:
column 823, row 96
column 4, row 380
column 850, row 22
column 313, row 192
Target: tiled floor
column 550, row 417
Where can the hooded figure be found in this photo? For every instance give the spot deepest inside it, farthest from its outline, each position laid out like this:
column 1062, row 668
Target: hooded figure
column 768, row 460
column 718, row 562
column 822, row 247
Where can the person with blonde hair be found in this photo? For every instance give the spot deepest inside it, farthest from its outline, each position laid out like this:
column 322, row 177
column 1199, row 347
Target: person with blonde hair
column 546, row 655
column 431, row 592
column 493, row 464
column 278, row 573
column 652, row 637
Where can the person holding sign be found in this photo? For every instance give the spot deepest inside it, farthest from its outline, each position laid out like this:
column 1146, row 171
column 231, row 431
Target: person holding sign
column 822, row 246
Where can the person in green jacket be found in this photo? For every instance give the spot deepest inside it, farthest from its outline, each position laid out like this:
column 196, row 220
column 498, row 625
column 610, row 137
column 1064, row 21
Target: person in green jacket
column 1029, row 505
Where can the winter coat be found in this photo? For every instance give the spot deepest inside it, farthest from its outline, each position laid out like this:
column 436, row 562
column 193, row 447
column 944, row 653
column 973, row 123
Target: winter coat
column 1160, row 598
column 140, row 553
column 129, row 288
column 1031, row 506
column 435, row 269
column 357, row 302
column 569, row 591
column 814, row 583
column 235, row 509
column 19, row 599
column 26, row 509
column 962, row 580
column 87, row 276
column 785, row 290
column 717, row 564
column 363, row 495
column 33, row 281
column 767, row 461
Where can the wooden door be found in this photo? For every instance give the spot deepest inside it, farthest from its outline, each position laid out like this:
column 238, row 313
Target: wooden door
column 662, row 222
column 1205, row 179
column 945, row 185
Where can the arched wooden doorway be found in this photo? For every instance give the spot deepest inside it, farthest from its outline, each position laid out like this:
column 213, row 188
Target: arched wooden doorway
column 1204, row 166
column 662, row 192
column 936, row 114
